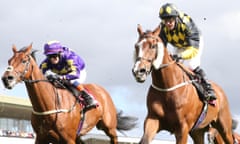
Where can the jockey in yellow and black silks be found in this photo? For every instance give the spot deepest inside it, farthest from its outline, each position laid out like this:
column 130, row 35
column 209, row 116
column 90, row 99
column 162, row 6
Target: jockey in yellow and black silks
column 178, row 29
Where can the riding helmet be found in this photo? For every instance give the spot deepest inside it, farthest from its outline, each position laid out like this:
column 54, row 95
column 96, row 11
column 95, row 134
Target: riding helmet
column 168, row 10
column 53, row 47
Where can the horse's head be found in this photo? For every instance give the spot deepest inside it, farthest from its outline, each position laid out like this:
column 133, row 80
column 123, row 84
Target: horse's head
column 149, row 51
column 19, row 67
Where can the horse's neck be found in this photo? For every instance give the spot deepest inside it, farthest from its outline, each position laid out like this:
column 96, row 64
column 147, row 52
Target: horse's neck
column 169, row 75
column 39, row 92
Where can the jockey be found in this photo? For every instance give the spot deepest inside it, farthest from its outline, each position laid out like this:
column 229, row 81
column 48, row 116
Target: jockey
column 67, row 65
column 178, row 29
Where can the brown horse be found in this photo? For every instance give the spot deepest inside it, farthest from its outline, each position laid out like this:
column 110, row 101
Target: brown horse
column 172, row 101
column 57, row 116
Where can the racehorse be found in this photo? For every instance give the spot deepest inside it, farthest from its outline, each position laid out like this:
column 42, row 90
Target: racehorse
column 172, row 101
column 57, row 116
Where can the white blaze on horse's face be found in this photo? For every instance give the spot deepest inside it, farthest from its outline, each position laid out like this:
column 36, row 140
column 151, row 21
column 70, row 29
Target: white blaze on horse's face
column 147, row 55
column 138, row 54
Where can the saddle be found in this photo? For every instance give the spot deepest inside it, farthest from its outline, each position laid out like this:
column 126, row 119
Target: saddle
column 65, row 84
column 196, row 81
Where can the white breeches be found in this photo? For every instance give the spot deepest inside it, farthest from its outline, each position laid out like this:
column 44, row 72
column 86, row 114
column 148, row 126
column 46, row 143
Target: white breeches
column 193, row 62
column 82, row 79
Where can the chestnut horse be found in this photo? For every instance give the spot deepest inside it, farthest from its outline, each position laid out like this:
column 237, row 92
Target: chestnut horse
column 172, row 101
column 57, row 116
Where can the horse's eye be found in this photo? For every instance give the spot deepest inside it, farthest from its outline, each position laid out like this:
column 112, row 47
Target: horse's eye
column 154, row 46
column 24, row 61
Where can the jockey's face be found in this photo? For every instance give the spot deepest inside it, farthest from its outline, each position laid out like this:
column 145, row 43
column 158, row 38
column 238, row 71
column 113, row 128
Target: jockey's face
column 170, row 22
column 54, row 58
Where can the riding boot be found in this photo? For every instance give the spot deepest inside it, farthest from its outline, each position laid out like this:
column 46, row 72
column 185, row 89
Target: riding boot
column 88, row 98
column 210, row 95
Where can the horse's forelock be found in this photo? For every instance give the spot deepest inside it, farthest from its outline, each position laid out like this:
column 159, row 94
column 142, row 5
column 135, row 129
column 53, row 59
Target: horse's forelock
column 33, row 54
column 147, row 33
column 23, row 49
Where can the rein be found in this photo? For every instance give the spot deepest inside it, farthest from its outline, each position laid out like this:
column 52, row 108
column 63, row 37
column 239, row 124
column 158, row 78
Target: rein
column 22, row 76
column 50, row 111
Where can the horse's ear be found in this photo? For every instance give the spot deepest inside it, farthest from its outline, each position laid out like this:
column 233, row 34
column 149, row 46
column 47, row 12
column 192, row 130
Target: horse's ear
column 139, row 29
column 29, row 48
column 14, row 48
column 157, row 30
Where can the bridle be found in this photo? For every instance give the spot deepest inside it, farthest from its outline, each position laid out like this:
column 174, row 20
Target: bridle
column 22, row 77
column 153, row 46
column 148, row 71
column 25, row 71
column 22, row 74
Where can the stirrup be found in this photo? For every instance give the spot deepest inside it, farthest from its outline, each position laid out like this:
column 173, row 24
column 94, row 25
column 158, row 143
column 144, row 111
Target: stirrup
column 90, row 101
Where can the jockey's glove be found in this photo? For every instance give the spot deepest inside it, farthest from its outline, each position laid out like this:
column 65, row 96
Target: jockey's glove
column 176, row 57
column 53, row 77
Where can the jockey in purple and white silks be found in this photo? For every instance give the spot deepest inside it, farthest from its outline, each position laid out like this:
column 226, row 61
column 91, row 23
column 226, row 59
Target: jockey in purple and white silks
column 66, row 64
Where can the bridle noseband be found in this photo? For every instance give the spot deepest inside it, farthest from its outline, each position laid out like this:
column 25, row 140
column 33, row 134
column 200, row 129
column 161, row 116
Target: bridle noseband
column 22, row 74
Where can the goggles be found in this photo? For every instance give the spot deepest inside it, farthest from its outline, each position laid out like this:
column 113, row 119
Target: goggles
column 52, row 56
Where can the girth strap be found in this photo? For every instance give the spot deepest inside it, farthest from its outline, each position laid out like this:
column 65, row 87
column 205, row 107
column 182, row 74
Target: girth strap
column 201, row 117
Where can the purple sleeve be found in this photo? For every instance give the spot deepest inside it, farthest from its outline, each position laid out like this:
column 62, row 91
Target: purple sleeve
column 75, row 65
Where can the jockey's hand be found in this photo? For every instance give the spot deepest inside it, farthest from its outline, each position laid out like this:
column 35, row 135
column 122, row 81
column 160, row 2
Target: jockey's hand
column 53, row 77
column 176, row 57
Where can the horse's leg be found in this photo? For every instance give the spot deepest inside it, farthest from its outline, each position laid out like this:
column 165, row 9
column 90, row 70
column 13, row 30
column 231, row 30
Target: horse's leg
column 224, row 127
column 42, row 140
column 181, row 134
column 37, row 141
column 226, row 135
column 151, row 127
column 236, row 138
column 212, row 133
column 79, row 141
column 109, row 128
column 112, row 133
column 198, row 136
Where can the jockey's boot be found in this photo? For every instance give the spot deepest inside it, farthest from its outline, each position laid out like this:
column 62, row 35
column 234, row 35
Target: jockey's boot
column 88, row 98
column 210, row 95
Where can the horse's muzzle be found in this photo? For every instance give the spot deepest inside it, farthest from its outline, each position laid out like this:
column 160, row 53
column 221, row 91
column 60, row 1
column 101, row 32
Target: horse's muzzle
column 8, row 81
column 140, row 75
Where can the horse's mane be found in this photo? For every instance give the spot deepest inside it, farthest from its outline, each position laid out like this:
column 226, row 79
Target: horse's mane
column 33, row 52
column 234, row 124
column 147, row 33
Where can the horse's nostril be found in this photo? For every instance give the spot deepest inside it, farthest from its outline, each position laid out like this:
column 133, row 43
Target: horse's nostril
column 10, row 78
column 142, row 70
column 4, row 80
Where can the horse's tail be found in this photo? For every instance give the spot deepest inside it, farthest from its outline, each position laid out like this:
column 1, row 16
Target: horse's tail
column 234, row 124
column 125, row 123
